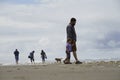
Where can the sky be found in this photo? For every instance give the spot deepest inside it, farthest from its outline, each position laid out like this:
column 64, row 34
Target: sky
column 29, row 25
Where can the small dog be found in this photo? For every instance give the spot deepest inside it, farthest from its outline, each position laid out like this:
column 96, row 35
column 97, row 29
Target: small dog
column 58, row 59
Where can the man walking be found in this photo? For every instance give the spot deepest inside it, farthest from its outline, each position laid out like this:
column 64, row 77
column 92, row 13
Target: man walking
column 16, row 53
column 43, row 56
column 71, row 34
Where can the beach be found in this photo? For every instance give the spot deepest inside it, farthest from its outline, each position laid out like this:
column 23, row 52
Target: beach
column 55, row 71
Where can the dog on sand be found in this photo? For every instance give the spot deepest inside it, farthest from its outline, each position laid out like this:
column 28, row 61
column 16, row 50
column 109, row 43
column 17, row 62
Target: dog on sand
column 58, row 59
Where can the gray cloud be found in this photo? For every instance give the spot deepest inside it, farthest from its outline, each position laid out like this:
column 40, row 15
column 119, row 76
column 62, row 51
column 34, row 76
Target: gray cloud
column 42, row 26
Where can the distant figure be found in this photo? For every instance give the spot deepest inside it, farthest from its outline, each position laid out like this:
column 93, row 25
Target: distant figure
column 71, row 34
column 31, row 56
column 68, row 50
column 16, row 53
column 43, row 56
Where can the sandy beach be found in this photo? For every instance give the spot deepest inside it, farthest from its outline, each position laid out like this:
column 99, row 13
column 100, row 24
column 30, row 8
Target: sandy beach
column 85, row 71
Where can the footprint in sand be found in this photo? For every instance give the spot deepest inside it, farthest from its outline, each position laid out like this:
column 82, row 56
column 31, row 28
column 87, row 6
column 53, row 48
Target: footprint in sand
column 19, row 78
column 18, row 68
column 36, row 68
column 9, row 71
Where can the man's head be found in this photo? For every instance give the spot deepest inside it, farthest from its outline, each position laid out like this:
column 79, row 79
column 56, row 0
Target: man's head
column 73, row 21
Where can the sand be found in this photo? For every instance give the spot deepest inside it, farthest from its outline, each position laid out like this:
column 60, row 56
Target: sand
column 86, row 71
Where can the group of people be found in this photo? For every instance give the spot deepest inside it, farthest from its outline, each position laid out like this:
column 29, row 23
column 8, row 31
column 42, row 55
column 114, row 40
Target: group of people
column 70, row 45
column 30, row 56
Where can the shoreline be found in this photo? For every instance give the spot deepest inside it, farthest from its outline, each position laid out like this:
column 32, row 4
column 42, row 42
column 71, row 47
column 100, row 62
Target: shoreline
column 84, row 62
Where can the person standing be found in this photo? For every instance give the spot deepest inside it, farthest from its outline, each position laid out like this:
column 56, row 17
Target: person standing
column 16, row 53
column 43, row 56
column 71, row 34
column 31, row 56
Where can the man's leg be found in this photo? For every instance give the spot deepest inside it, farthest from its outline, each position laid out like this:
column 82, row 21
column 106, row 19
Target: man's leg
column 75, row 55
column 16, row 58
column 31, row 60
column 74, row 49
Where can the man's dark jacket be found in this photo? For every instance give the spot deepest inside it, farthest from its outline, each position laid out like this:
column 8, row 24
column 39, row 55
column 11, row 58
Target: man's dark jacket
column 71, row 34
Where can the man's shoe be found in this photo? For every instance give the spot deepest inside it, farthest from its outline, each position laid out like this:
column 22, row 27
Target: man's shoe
column 78, row 62
column 68, row 63
column 65, row 62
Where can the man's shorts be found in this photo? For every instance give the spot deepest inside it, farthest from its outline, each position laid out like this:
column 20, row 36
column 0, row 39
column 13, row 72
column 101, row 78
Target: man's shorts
column 74, row 48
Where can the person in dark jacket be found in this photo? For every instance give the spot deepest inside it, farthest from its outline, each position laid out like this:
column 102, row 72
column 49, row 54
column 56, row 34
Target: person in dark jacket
column 71, row 34
column 16, row 53
column 31, row 56
column 43, row 56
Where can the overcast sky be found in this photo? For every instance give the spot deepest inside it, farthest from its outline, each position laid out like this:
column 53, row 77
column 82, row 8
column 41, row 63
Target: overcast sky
column 29, row 25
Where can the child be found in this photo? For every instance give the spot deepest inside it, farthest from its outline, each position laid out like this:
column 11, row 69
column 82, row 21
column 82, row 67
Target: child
column 68, row 50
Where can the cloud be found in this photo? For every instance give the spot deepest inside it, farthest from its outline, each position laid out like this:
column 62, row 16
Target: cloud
column 17, row 1
column 41, row 24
